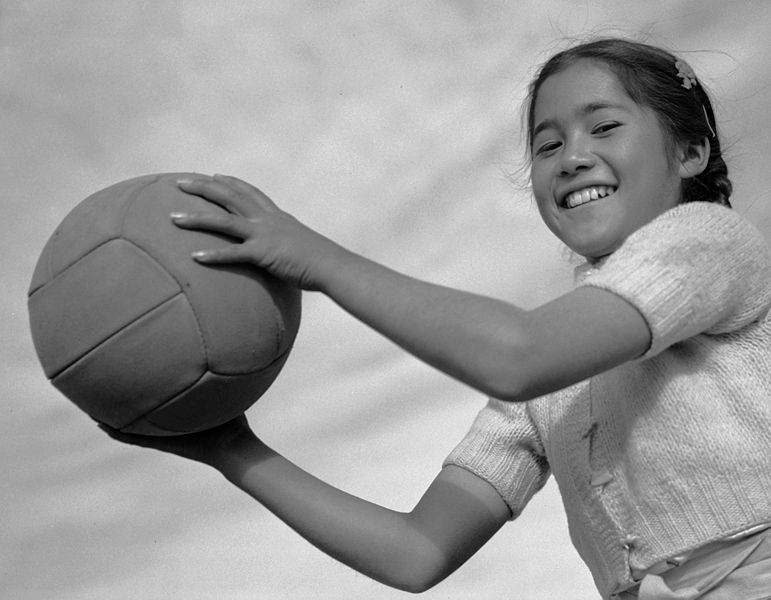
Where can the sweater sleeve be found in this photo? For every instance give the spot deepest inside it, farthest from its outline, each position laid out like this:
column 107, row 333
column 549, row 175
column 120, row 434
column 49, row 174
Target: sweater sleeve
column 698, row 268
column 503, row 448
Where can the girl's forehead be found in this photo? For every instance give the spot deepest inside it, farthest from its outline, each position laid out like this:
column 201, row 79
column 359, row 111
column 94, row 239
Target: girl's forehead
column 585, row 82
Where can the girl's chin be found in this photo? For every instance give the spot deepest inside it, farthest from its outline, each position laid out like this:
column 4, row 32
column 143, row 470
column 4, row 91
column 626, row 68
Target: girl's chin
column 594, row 241
column 592, row 252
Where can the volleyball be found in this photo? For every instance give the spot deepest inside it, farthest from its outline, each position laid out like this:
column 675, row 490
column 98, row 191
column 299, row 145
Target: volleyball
column 140, row 336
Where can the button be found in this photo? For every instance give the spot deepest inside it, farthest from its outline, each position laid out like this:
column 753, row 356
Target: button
column 590, row 430
column 601, row 478
column 630, row 541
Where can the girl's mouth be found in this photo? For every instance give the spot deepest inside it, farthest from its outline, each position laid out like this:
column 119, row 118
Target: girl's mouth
column 587, row 194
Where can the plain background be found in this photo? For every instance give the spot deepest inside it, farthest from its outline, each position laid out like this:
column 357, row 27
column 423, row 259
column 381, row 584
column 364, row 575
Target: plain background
column 392, row 127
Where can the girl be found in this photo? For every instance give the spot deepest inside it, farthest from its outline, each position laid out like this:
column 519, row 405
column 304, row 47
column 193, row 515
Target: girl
column 644, row 390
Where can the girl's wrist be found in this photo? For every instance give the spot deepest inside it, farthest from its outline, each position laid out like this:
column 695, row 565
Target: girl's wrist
column 336, row 262
column 240, row 456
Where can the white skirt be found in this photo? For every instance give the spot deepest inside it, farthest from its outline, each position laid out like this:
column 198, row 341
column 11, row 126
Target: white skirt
column 732, row 569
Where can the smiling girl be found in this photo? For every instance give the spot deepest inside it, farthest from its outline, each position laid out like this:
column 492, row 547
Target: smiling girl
column 644, row 391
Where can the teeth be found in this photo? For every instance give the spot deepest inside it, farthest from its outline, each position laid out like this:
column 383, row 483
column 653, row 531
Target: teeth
column 580, row 197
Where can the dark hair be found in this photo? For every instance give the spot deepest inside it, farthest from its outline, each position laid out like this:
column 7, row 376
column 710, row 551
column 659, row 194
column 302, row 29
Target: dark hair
column 650, row 77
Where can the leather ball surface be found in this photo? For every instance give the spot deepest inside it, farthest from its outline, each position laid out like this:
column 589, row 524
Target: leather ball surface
column 136, row 333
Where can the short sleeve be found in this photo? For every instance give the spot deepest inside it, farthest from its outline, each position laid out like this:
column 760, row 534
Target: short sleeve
column 503, row 448
column 697, row 268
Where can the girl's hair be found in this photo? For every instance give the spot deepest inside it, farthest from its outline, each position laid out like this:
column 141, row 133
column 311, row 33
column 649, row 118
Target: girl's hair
column 656, row 79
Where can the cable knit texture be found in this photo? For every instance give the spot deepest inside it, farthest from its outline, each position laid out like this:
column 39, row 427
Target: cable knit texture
column 670, row 451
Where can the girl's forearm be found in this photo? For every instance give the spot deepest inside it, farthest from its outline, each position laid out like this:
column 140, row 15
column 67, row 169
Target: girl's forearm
column 472, row 338
column 375, row 541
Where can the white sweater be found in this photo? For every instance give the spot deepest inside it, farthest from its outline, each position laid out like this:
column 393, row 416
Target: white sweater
column 668, row 452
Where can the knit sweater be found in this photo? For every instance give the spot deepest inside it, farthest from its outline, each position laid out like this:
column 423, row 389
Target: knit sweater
column 670, row 451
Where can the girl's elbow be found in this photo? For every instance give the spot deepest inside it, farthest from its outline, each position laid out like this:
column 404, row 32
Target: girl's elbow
column 507, row 385
column 420, row 571
column 506, row 374
column 507, row 394
column 414, row 586
column 421, row 577
column 418, row 587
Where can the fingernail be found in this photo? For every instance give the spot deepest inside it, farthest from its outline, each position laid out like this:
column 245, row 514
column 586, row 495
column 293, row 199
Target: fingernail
column 178, row 215
column 199, row 254
column 184, row 181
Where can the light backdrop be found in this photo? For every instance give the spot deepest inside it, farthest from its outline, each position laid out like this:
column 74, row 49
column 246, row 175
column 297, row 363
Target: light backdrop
column 392, row 127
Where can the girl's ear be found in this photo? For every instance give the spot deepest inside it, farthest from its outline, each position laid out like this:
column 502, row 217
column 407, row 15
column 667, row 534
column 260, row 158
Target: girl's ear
column 693, row 158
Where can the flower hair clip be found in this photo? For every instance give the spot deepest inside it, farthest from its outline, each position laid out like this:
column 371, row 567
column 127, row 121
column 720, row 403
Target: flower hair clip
column 685, row 72
column 688, row 75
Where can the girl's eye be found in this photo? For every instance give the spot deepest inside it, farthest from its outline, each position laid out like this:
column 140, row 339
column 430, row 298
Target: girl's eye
column 605, row 127
column 547, row 147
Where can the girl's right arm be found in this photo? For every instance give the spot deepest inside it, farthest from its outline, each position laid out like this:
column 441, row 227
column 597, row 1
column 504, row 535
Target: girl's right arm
column 411, row 551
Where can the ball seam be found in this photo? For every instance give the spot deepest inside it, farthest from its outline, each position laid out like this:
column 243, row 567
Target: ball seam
column 206, row 350
column 111, row 335
column 278, row 359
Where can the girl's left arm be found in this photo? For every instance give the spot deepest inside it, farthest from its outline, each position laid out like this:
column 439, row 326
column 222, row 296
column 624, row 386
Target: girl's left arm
column 498, row 348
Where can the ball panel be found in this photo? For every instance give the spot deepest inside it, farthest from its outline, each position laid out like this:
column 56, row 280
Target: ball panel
column 43, row 272
column 235, row 345
column 92, row 299
column 259, row 333
column 138, row 369
column 214, row 400
column 94, row 221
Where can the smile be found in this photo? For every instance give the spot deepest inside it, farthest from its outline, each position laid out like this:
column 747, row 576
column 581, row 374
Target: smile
column 588, row 194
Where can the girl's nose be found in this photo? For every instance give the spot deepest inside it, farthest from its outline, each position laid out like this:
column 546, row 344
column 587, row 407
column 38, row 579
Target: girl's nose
column 576, row 157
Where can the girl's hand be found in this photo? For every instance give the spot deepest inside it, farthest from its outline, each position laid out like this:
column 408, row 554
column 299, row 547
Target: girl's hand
column 271, row 238
column 212, row 447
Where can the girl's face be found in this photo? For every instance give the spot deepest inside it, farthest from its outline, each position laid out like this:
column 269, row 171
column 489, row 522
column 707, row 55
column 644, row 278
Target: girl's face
column 601, row 169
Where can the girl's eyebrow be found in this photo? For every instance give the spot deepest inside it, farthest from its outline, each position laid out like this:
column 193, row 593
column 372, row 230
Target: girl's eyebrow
column 591, row 107
column 583, row 111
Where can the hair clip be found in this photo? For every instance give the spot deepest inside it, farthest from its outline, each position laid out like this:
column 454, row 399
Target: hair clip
column 706, row 117
column 687, row 74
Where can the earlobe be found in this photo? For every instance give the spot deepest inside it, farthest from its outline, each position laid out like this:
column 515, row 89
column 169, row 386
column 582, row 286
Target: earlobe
column 694, row 158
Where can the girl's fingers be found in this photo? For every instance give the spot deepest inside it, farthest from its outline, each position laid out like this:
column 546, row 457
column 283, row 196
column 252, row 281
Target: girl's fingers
column 228, row 254
column 228, row 224
column 233, row 194
column 127, row 438
column 247, row 190
column 212, row 190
